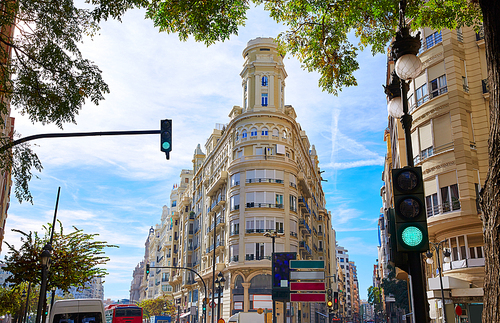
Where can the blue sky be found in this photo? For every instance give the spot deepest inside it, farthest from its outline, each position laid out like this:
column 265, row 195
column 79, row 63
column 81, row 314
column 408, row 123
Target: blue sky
column 116, row 186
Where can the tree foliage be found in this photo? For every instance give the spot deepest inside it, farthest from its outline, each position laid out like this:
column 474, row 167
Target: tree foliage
column 396, row 288
column 375, row 298
column 75, row 258
column 157, row 306
column 12, row 300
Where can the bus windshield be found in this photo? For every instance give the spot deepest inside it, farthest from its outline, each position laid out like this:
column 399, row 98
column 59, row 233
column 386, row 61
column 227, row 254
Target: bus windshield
column 128, row 312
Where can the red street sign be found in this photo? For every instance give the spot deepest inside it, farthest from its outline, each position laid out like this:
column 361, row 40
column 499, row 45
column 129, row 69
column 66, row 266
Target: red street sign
column 312, row 286
column 307, row 297
column 458, row 310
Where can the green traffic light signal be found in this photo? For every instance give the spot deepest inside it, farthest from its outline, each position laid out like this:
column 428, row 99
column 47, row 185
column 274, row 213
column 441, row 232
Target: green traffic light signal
column 409, row 209
column 147, row 269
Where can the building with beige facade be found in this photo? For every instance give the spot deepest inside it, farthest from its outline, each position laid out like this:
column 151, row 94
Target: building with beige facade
column 257, row 173
column 449, row 106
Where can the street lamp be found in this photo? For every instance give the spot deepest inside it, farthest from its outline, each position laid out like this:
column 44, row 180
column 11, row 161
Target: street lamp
column 26, row 307
column 220, row 286
column 45, row 260
column 446, row 253
column 273, row 235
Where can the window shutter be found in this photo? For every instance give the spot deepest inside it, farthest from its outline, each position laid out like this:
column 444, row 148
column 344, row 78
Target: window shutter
column 430, row 187
column 425, row 136
column 442, row 130
column 414, row 143
column 447, row 179
column 436, row 71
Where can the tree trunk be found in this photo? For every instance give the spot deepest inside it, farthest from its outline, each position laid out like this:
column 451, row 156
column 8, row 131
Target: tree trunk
column 490, row 195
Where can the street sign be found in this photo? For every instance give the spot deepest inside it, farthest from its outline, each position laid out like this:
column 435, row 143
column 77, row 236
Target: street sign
column 221, row 321
column 260, row 310
column 307, row 264
column 307, row 286
column 307, row 297
column 307, row 275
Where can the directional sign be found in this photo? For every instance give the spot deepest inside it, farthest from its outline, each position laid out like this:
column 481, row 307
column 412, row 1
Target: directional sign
column 307, row 286
column 307, row 297
column 307, row 275
column 307, row 264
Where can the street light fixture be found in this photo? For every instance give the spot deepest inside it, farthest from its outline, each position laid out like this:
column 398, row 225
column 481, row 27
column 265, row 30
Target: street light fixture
column 273, row 235
column 446, row 258
column 220, row 281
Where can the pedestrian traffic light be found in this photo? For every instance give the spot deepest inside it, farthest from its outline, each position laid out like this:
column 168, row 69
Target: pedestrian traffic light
column 335, row 300
column 409, row 209
column 166, row 136
column 147, row 269
column 329, row 297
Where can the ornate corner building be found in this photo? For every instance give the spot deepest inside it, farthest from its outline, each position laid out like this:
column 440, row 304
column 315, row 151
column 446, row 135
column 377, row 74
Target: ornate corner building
column 258, row 173
column 449, row 106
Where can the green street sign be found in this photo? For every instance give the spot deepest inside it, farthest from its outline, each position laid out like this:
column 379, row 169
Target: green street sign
column 307, row 264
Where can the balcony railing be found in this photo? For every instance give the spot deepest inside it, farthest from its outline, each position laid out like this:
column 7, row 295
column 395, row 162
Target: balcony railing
column 255, row 257
column 262, row 230
column 304, row 225
column 264, row 180
column 486, row 86
column 234, row 232
column 294, row 234
column 293, row 185
column 264, row 205
column 443, row 208
column 431, row 151
column 303, row 244
column 234, row 258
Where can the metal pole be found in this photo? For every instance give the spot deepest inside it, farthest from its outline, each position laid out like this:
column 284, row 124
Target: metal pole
column 218, row 301
column 27, row 303
column 437, row 247
column 213, row 273
column 273, row 237
column 43, row 291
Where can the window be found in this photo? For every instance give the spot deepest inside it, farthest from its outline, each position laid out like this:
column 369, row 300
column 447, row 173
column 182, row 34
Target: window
column 279, row 227
column 235, row 202
column 433, row 39
column 253, row 132
column 264, row 81
column 421, row 94
column 275, row 132
column 293, row 203
column 234, row 251
column 264, row 131
column 244, row 134
column 237, row 136
column 438, row 86
column 279, row 200
column 174, row 203
column 449, row 196
column 264, row 99
column 432, row 204
column 258, row 151
column 235, row 179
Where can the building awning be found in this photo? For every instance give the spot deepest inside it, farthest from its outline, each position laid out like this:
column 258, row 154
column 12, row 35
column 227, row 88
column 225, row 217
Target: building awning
column 185, row 314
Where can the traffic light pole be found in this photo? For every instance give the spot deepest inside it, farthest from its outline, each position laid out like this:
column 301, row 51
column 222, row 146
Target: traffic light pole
column 194, row 271
column 420, row 312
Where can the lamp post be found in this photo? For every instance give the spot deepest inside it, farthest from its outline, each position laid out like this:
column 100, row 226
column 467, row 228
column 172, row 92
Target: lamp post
column 446, row 253
column 45, row 260
column 220, row 281
column 26, row 307
column 273, row 235
column 408, row 66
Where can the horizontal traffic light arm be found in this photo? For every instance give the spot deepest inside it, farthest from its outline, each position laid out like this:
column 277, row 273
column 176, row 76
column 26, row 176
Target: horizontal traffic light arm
column 77, row 134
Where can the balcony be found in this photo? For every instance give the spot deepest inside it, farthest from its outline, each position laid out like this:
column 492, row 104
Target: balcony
column 234, row 232
column 294, row 234
column 431, row 151
column 216, row 181
column 293, row 185
column 303, row 245
column 264, row 205
column 256, row 257
column 303, row 205
column 234, row 258
column 305, row 227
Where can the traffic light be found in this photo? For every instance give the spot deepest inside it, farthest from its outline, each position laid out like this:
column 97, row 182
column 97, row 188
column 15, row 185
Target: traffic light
column 335, row 300
column 409, row 209
column 147, row 269
column 204, row 305
column 166, row 136
column 281, row 275
column 329, row 297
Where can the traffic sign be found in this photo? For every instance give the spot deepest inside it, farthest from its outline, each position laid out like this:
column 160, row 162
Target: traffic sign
column 260, row 310
column 307, row 264
column 305, row 286
column 212, row 304
column 221, row 320
column 307, row 297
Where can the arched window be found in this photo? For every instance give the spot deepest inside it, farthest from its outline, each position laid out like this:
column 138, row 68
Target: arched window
column 264, row 81
column 284, row 134
column 237, row 136
column 238, row 282
column 253, row 132
column 244, row 134
column 275, row 132
column 264, row 131
column 262, row 281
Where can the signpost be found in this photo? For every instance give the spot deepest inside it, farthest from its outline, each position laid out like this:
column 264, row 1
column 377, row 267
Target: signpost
column 311, row 290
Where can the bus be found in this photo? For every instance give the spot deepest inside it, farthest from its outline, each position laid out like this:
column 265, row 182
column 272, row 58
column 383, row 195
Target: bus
column 123, row 313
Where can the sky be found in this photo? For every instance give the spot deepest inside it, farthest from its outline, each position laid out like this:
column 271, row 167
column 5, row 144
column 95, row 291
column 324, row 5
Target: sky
column 116, row 186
